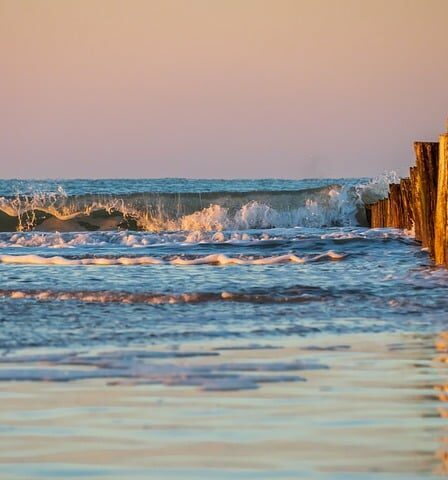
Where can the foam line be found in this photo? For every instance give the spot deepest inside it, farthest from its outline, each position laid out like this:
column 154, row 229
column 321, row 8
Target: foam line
column 214, row 259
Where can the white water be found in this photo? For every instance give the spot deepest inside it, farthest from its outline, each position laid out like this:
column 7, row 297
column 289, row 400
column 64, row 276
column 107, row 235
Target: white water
column 214, row 259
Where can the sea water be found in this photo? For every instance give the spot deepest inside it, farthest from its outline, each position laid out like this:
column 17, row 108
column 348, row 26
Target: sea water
column 264, row 294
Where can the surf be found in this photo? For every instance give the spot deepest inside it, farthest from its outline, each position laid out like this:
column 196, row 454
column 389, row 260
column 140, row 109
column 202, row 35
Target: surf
column 334, row 205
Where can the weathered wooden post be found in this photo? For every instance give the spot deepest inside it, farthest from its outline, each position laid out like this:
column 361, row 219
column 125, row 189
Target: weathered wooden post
column 415, row 204
column 427, row 172
column 374, row 215
column 379, row 213
column 441, row 216
column 407, row 216
column 395, row 207
column 384, row 212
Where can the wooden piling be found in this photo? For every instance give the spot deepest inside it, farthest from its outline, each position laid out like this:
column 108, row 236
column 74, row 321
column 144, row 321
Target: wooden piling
column 407, row 214
column 394, row 215
column 425, row 199
column 379, row 212
column 441, row 216
column 415, row 205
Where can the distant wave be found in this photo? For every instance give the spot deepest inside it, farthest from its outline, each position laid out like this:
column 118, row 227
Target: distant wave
column 214, row 259
column 327, row 206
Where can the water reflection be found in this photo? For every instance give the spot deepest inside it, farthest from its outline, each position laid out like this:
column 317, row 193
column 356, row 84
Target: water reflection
column 380, row 408
column 441, row 389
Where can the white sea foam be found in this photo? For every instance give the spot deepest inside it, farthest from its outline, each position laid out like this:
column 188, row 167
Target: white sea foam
column 141, row 240
column 85, row 239
column 57, row 240
column 214, row 259
column 335, row 209
column 58, row 260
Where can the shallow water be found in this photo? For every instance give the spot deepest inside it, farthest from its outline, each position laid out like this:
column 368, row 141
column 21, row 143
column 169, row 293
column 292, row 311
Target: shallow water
column 373, row 406
column 261, row 342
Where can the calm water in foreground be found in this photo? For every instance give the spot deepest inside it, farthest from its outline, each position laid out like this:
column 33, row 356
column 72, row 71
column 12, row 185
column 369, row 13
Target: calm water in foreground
column 216, row 329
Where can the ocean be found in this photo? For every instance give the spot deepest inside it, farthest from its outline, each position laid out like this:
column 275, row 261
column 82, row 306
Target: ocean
column 177, row 328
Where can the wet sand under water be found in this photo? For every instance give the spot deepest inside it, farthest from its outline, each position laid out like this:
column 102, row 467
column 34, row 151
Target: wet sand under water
column 360, row 406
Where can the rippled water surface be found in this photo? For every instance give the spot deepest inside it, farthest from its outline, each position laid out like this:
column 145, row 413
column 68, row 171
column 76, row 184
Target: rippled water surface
column 254, row 317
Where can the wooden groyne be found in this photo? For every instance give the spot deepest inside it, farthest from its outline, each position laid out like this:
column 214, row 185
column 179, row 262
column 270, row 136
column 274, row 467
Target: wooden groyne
column 420, row 202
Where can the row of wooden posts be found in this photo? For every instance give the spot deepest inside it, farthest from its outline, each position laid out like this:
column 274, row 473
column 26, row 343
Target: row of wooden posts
column 420, row 202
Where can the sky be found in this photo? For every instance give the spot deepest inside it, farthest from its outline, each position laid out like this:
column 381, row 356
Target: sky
column 219, row 88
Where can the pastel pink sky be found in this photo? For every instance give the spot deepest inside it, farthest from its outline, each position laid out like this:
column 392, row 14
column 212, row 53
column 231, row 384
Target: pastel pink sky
column 219, row 88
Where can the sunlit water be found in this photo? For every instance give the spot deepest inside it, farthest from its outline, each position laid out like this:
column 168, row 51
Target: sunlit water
column 216, row 329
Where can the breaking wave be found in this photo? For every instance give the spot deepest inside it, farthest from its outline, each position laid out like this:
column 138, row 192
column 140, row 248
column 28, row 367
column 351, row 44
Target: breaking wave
column 327, row 206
